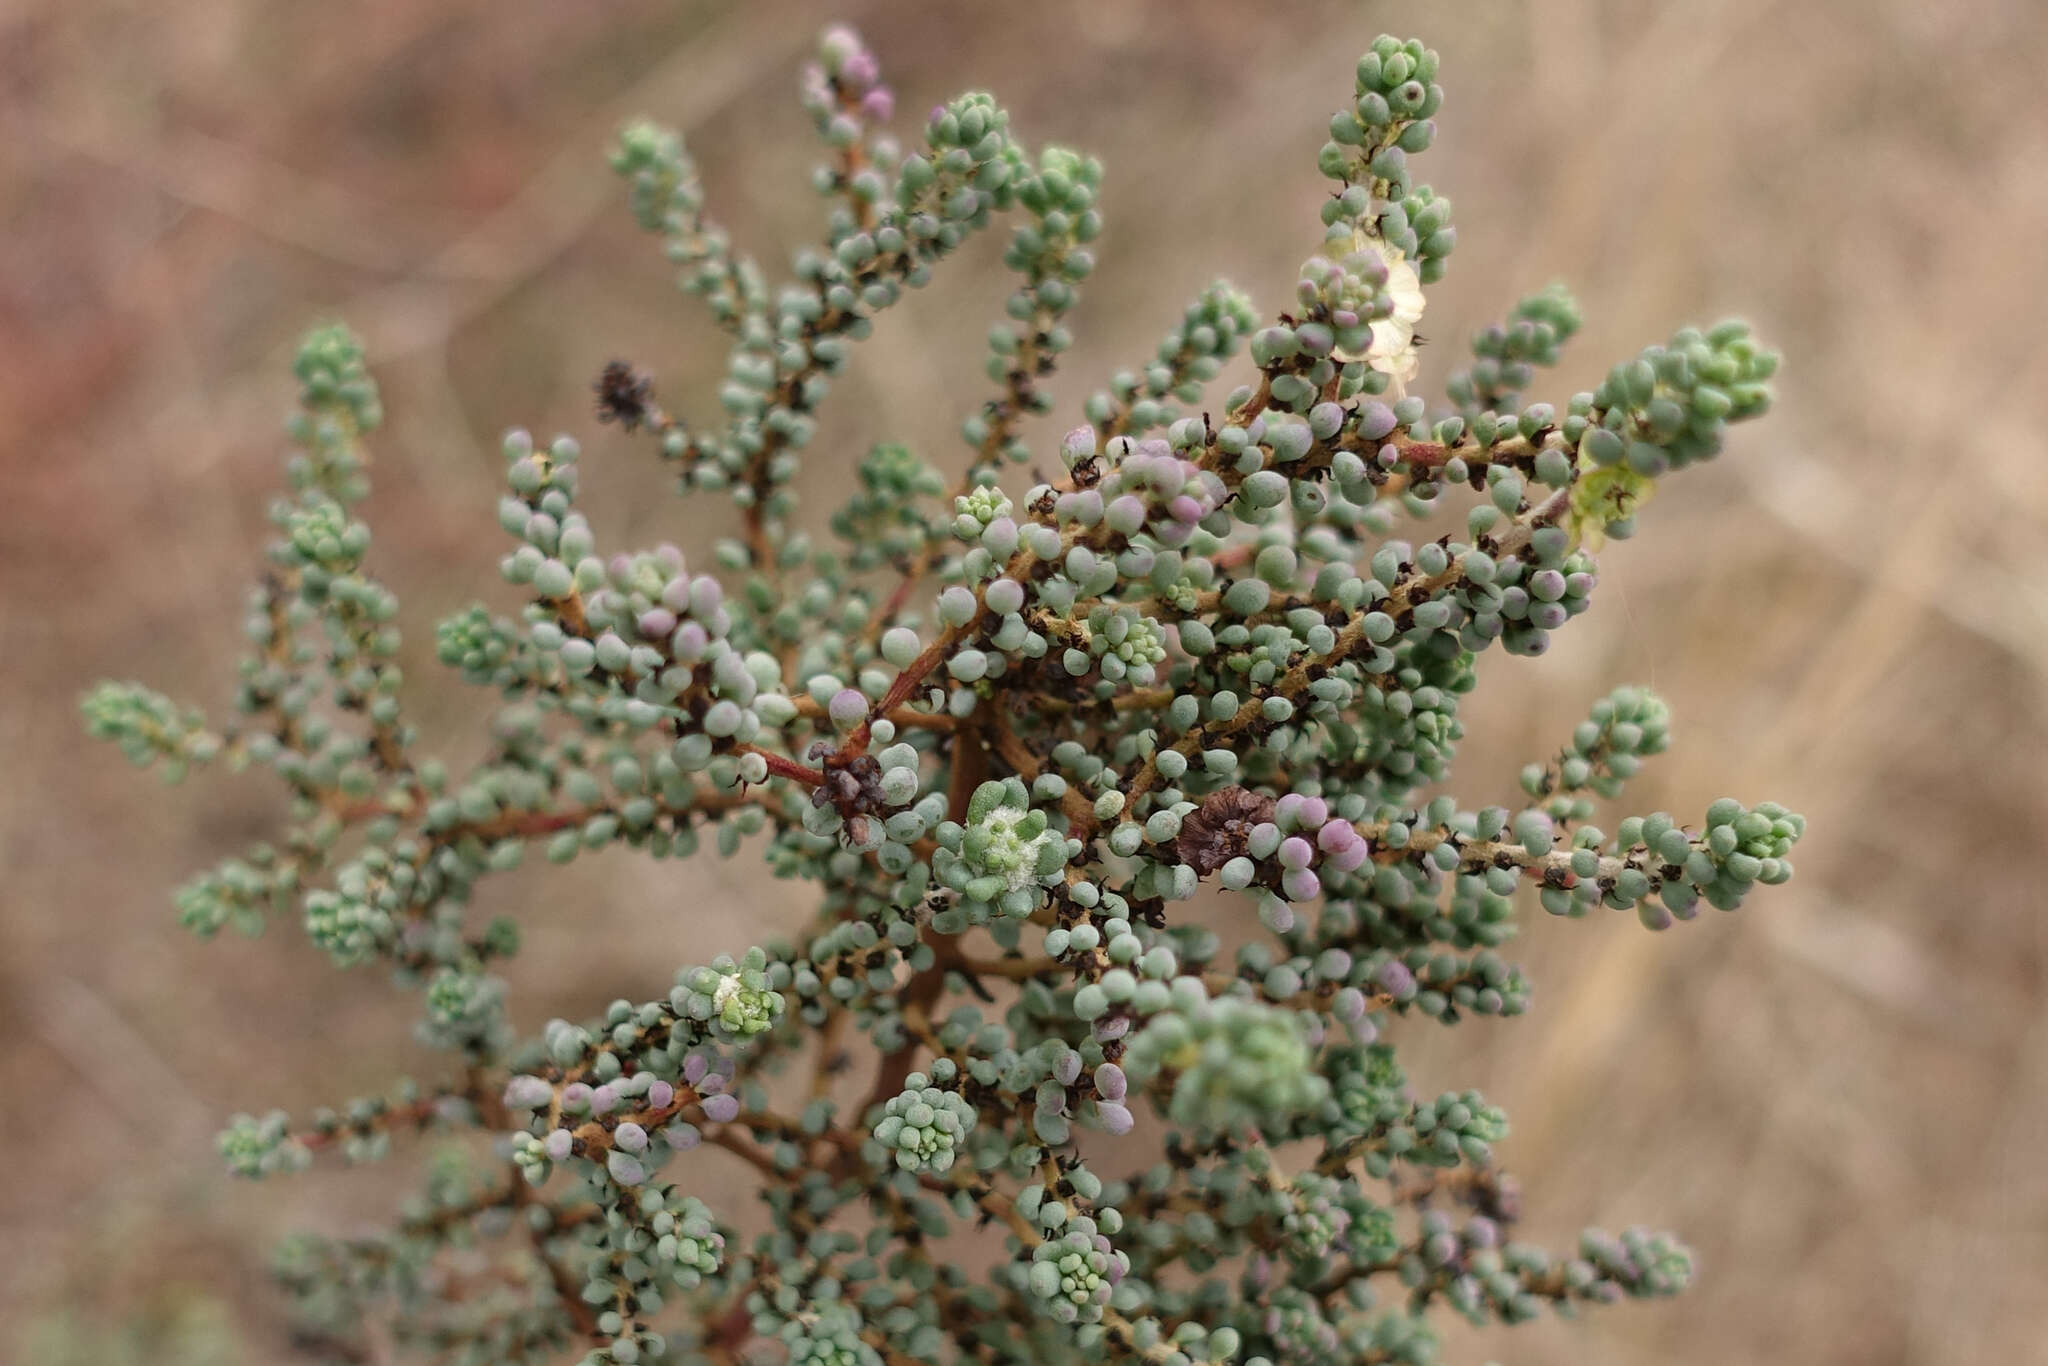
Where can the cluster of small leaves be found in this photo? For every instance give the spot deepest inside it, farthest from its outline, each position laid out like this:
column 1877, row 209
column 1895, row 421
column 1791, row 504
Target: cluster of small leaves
column 1189, row 356
column 924, row 1125
column 1234, row 1062
column 149, row 728
column 1008, row 735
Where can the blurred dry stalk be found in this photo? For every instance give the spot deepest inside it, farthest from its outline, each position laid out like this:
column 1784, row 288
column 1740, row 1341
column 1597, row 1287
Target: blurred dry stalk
column 1848, row 1089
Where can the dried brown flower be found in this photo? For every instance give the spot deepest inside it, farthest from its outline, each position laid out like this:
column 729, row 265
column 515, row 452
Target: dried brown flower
column 1217, row 831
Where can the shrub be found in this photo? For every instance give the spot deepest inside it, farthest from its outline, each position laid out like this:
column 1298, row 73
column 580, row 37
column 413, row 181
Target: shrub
column 1010, row 737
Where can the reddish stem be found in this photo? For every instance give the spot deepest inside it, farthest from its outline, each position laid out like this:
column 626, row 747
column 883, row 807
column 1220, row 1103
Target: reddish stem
column 782, row 767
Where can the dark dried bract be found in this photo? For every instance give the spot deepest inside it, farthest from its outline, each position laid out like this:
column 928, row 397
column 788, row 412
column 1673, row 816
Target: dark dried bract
column 852, row 786
column 624, row 395
column 1218, row 830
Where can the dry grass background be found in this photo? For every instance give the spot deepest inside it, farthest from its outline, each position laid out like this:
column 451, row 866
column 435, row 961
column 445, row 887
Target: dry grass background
column 1840, row 1095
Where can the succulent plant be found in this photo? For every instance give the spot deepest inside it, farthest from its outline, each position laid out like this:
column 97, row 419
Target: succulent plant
column 1008, row 734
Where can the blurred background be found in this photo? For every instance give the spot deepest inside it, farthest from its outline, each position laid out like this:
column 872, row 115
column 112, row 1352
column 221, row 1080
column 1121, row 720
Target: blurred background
column 1840, row 1095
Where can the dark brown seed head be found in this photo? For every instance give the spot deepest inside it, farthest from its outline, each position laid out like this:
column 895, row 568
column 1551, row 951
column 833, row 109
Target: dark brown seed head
column 623, row 395
column 1219, row 829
